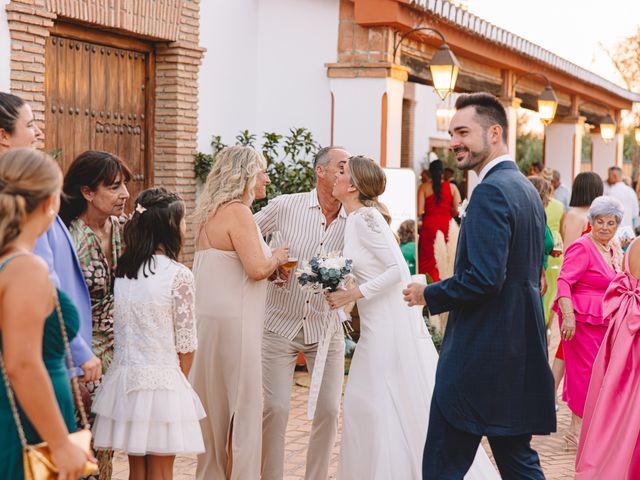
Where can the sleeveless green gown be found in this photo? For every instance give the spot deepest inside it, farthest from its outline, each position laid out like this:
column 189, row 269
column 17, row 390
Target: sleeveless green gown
column 53, row 354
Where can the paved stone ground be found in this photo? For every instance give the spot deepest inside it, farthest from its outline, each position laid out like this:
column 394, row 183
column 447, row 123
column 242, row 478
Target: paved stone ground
column 556, row 462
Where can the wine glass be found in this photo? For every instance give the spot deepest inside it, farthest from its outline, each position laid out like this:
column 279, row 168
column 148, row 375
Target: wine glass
column 423, row 331
column 276, row 240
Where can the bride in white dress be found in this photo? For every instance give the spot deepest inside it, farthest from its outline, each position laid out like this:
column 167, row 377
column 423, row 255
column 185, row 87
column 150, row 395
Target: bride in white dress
column 391, row 378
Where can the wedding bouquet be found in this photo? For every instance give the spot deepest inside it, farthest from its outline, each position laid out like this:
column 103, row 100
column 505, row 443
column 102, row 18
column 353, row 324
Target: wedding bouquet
column 325, row 272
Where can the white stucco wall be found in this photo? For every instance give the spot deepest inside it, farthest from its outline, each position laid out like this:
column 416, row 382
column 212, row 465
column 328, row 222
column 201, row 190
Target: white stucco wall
column 562, row 150
column 604, row 154
column 425, row 124
column 227, row 80
column 5, row 49
column 264, row 69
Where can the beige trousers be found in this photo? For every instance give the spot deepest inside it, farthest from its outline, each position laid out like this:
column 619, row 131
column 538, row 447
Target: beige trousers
column 278, row 364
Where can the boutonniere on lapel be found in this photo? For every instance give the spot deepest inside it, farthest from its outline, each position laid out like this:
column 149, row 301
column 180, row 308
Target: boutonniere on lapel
column 462, row 210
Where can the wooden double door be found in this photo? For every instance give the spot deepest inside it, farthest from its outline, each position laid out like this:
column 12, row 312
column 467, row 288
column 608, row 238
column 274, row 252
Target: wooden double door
column 99, row 96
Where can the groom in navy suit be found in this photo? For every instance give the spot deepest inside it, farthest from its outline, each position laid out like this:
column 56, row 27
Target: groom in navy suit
column 493, row 378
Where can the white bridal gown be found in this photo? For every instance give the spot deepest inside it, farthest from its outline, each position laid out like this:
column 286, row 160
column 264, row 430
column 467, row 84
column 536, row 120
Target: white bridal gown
column 391, row 378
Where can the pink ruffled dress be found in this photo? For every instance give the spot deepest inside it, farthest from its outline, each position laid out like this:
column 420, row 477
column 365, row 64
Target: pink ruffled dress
column 609, row 444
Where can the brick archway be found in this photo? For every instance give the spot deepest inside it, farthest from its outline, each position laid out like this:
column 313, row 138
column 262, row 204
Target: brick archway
column 173, row 28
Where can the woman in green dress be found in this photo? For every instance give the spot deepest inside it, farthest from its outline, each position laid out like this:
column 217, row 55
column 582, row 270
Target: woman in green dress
column 33, row 351
column 407, row 237
column 95, row 195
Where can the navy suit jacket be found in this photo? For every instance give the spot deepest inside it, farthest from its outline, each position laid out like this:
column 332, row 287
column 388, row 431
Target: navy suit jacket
column 493, row 377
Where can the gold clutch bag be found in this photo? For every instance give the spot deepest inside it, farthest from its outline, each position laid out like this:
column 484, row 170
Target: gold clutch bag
column 37, row 461
column 38, row 464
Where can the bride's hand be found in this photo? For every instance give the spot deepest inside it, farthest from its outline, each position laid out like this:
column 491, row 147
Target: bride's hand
column 341, row 298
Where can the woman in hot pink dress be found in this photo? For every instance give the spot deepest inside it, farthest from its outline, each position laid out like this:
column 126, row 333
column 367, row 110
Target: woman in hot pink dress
column 610, row 438
column 590, row 263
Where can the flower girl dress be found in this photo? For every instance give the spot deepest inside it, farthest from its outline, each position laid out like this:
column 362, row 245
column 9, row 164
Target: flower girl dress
column 145, row 405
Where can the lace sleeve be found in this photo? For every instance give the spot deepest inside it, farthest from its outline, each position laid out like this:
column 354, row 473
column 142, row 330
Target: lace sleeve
column 184, row 321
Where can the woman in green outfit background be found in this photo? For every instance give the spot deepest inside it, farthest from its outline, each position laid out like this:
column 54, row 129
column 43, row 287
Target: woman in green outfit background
column 33, row 351
column 407, row 237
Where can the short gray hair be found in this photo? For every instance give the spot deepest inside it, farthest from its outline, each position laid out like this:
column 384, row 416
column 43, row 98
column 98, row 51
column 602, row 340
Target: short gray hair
column 604, row 206
column 556, row 175
column 322, row 156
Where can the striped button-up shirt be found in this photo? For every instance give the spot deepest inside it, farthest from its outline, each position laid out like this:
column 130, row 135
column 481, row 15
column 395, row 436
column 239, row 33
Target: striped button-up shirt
column 304, row 229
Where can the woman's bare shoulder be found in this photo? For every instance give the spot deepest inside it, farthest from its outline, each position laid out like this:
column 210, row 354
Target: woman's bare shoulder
column 633, row 253
column 27, row 272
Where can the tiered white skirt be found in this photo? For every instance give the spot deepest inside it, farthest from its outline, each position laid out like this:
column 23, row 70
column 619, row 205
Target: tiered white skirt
column 147, row 422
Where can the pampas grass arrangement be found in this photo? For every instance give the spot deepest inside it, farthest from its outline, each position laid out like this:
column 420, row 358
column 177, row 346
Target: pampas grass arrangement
column 445, row 255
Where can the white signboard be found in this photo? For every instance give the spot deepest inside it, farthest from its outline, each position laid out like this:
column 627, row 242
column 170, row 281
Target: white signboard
column 400, row 195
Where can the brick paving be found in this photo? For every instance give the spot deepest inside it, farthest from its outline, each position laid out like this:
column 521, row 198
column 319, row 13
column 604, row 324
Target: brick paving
column 557, row 463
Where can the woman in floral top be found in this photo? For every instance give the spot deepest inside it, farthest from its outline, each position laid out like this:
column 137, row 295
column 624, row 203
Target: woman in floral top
column 95, row 195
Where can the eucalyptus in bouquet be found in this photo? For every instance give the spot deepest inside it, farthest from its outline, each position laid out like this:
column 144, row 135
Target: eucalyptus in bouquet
column 324, row 272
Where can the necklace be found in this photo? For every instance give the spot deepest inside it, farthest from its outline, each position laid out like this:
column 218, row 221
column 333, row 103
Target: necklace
column 602, row 248
column 605, row 252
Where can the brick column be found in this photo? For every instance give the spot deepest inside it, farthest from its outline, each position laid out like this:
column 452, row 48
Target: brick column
column 29, row 24
column 175, row 141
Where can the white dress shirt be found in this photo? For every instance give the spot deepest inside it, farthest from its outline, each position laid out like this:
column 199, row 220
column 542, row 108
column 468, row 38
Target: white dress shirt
column 491, row 164
column 629, row 200
column 299, row 218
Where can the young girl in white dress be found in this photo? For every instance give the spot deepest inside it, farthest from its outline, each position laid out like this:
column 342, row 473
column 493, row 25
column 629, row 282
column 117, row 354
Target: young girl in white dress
column 145, row 406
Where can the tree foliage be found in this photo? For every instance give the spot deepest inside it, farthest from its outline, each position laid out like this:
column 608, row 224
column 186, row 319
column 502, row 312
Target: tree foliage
column 528, row 144
column 625, row 56
column 289, row 160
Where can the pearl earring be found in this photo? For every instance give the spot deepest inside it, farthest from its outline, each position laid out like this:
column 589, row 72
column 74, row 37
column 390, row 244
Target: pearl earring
column 52, row 212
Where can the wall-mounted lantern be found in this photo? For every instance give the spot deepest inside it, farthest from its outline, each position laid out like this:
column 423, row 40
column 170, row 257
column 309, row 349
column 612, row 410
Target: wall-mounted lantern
column 444, row 65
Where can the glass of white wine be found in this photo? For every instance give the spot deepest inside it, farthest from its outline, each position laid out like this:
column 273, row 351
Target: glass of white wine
column 276, row 240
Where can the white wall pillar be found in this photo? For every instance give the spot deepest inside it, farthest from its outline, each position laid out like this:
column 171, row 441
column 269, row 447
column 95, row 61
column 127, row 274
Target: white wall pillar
column 604, row 154
column 511, row 106
column 563, row 147
column 619, row 149
column 361, row 121
column 5, row 48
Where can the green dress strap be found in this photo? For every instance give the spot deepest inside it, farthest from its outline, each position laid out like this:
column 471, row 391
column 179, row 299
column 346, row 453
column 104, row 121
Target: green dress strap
column 6, row 261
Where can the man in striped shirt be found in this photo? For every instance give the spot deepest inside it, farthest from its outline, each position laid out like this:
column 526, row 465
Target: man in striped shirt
column 295, row 321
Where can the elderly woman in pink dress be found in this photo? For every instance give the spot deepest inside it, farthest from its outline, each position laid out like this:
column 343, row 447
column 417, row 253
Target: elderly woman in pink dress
column 610, row 438
column 590, row 263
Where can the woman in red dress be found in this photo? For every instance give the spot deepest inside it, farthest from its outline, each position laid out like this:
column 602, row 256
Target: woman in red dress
column 438, row 203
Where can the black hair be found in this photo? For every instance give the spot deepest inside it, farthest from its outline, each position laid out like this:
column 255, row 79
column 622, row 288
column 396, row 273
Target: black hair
column 154, row 224
column 488, row 109
column 435, row 170
column 587, row 186
column 90, row 169
column 9, row 111
column 537, row 166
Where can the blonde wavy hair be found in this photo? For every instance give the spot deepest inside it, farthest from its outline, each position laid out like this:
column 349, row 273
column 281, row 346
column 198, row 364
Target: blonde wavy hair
column 27, row 178
column 232, row 177
column 369, row 178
